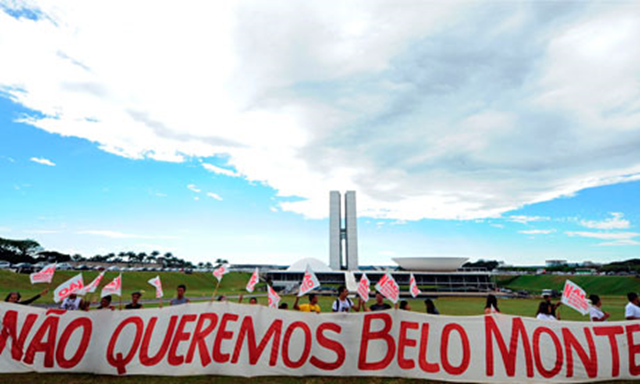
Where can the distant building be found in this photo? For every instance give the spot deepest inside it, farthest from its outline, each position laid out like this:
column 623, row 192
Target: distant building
column 556, row 263
column 343, row 239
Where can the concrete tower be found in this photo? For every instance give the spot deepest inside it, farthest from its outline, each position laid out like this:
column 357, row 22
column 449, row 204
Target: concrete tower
column 343, row 256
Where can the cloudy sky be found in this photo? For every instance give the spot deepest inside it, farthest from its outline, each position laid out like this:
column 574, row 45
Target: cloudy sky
column 504, row 130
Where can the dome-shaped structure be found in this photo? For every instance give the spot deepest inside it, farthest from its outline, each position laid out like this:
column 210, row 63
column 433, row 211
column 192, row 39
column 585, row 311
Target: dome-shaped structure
column 430, row 263
column 315, row 265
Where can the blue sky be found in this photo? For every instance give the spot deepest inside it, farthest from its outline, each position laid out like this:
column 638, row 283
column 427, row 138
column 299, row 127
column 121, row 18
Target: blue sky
column 501, row 131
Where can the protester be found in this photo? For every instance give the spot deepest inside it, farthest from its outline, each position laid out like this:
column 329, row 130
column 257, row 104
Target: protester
column 283, row 306
column 595, row 312
column 135, row 304
column 223, row 298
column 311, row 307
column 71, row 302
column 554, row 306
column 343, row 303
column 431, row 307
column 253, row 301
column 544, row 312
column 404, row 305
column 14, row 297
column 180, row 299
column 85, row 305
column 105, row 303
column 492, row 305
column 379, row 305
column 632, row 310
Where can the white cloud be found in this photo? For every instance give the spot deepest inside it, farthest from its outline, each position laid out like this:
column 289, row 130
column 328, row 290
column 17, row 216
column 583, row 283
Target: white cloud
column 194, row 188
column 220, row 171
column 605, row 235
column 43, row 161
column 42, row 231
column 5, row 229
column 121, row 235
column 618, row 243
column 615, row 222
column 522, row 219
column 214, row 196
column 537, row 231
column 427, row 109
column 497, row 225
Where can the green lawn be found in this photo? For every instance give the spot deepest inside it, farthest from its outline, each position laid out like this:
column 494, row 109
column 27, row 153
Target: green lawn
column 198, row 284
column 600, row 285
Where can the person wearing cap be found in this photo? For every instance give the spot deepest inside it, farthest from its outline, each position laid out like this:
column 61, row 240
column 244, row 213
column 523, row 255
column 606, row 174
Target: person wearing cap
column 134, row 304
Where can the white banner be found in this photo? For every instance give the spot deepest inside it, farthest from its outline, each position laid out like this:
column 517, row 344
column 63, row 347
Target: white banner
column 43, row 276
column 73, row 285
column 222, row 338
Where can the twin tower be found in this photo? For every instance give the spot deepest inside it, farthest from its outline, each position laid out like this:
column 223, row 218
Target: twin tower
column 343, row 238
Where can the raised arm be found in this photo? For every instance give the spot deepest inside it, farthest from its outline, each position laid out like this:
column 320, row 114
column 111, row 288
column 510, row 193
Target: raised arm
column 295, row 303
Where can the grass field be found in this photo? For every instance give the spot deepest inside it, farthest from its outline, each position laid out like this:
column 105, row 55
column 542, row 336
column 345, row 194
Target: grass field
column 198, row 284
column 600, row 285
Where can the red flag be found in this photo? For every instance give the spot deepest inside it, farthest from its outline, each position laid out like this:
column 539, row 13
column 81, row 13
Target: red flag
column 44, row 276
column 364, row 287
column 274, row 298
column 113, row 288
column 221, row 271
column 413, row 286
column 255, row 278
column 73, row 285
column 575, row 297
column 309, row 282
column 388, row 287
column 158, row 284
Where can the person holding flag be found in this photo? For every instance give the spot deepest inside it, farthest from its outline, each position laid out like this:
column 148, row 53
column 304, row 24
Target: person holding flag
column 311, row 307
column 14, row 297
column 343, row 303
column 309, row 283
column 113, row 288
column 251, row 284
column 158, row 285
column 68, row 288
column 388, row 287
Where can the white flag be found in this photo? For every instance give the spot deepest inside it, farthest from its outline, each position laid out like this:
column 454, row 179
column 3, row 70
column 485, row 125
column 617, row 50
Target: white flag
column 388, row 287
column 158, row 284
column 73, row 285
column 309, row 282
column 255, row 278
column 413, row 286
column 45, row 275
column 91, row 287
column 113, row 288
column 575, row 297
column 274, row 298
column 221, row 271
column 363, row 287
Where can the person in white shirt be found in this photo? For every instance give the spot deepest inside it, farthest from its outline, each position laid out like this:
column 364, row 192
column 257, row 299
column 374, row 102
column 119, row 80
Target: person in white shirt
column 632, row 310
column 545, row 312
column 344, row 303
column 71, row 302
column 595, row 312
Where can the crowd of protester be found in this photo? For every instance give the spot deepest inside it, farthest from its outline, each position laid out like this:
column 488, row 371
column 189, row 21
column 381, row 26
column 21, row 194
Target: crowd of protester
column 547, row 309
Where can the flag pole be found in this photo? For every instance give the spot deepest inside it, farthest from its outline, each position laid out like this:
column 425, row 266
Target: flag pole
column 215, row 290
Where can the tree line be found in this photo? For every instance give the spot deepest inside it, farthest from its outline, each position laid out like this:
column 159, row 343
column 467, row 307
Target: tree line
column 30, row 251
